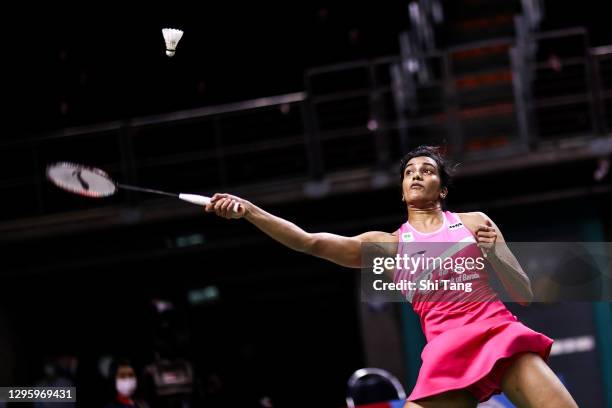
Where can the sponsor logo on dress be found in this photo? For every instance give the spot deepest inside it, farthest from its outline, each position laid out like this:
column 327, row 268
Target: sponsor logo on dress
column 455, row 226
column 407, row 237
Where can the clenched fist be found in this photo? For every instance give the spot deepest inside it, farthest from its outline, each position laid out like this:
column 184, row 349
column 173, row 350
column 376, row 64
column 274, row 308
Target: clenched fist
column 227, row 206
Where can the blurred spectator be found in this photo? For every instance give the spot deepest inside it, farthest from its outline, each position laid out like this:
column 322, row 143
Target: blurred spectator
column 59, row 371
column 122, row 377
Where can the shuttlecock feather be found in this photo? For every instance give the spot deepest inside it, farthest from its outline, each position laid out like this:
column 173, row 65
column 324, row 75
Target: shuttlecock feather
column 172, row 37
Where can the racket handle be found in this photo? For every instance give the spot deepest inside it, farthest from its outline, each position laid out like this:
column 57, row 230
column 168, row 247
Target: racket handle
column 195, row 199
column 202, row 200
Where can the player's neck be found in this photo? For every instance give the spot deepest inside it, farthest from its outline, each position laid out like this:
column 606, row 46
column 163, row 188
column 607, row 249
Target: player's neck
column 428, row 216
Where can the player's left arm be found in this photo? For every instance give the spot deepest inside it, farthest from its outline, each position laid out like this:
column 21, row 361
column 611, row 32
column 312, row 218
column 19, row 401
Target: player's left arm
column 502, row 260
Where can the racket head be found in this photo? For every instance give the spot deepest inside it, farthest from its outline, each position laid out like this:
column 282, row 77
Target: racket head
column 82, row 180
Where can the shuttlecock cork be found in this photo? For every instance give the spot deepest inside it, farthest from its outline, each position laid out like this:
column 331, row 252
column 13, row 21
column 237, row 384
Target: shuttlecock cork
column 172, row 37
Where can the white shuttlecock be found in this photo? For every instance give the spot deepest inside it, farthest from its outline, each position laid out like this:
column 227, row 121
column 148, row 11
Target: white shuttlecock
column 172, row 37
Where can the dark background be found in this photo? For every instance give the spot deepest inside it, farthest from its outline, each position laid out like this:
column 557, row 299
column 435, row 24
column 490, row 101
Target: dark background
column 284, row 325
column 105, row 62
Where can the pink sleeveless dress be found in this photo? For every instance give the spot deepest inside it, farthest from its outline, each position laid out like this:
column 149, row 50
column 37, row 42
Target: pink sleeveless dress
column 471, row 340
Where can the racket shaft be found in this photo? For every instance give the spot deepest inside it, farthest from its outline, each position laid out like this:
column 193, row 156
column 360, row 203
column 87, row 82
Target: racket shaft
column 146, row 190
column 190, row 198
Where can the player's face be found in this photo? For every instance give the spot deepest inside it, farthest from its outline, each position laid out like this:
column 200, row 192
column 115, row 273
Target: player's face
column 421, row 181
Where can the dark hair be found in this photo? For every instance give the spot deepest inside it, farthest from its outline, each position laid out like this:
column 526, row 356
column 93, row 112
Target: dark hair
column 444, row 167
column 114, row 368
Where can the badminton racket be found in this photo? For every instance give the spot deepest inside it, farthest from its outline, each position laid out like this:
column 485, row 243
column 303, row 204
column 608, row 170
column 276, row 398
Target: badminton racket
column 93, row 182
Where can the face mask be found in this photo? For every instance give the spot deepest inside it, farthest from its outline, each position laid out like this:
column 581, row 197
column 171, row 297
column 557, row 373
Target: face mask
column 126, row 386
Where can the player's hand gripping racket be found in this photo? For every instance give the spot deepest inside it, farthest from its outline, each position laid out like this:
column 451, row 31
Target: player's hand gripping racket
column 93, row 182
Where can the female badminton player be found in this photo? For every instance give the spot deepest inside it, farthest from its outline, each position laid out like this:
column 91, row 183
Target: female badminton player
column 474, row 349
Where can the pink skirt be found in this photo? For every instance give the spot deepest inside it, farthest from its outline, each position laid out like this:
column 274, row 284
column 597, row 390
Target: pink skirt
column 475, row 357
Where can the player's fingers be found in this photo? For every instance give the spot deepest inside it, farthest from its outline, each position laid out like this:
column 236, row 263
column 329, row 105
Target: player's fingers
column 226, row 204
column 227, row 209
column 486, row 241
column 232, row 205
column 219, row 196
column 221, row 210
column 219, row 203
column 240, row 209
column 236, row 209
column 487, row 236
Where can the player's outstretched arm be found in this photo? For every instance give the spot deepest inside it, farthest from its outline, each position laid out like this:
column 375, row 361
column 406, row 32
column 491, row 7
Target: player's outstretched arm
column 345, row 251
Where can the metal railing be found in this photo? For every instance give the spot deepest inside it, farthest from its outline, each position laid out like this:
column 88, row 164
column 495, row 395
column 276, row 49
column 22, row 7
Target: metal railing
column 362, row 114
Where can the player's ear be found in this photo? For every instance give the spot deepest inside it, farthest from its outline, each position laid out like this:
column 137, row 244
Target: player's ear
column 443, row 192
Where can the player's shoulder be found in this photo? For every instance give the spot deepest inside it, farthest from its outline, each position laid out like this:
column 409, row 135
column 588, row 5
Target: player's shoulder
column 472, row 219
column 473, row 215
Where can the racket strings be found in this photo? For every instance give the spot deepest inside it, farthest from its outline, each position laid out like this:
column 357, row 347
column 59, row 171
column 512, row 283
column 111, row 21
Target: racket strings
column 79, row 176
column 91, row 181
